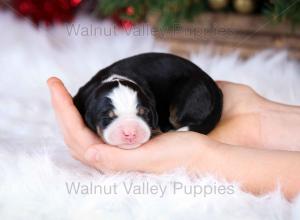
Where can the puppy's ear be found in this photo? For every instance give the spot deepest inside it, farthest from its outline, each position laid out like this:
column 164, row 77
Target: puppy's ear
column 154, row 117
column 83, row 101
column 83, row 97
column 151, row 104
column 90, row 121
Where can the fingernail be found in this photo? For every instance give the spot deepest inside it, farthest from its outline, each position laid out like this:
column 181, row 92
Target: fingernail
column 91, row 154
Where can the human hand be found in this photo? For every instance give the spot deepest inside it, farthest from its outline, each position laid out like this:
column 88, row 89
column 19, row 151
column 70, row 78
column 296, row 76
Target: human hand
column 197, row 153
column 162, row 153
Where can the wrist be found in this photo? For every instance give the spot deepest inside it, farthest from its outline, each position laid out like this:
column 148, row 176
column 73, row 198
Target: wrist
column 208, row 156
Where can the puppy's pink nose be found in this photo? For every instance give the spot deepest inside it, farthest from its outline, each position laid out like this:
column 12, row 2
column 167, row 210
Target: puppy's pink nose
column 129, row 134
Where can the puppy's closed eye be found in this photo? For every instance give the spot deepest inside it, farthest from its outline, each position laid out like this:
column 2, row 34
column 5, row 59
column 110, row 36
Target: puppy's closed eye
column 142, row 111
column 106, row 118
column 111, row 114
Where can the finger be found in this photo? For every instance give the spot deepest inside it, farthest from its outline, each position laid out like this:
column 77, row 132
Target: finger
column 63, row 105
column 68, row 116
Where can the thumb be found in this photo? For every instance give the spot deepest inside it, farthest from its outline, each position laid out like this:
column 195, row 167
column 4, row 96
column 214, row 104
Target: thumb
column 109, row 158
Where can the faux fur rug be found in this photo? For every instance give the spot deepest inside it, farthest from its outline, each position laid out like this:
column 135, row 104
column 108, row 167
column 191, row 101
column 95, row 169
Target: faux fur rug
column 39, row 179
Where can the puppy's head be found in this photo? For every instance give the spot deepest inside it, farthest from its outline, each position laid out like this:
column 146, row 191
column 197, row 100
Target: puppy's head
column 122, row 114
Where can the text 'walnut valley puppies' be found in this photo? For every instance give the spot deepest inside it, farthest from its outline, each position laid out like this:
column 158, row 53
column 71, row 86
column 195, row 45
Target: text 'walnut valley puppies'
column 136, row 97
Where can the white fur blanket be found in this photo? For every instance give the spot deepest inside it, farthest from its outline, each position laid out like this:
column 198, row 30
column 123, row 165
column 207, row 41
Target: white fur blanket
column 36, row 170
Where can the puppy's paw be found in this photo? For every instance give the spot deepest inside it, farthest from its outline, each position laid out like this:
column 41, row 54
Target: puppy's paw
column 185, row 128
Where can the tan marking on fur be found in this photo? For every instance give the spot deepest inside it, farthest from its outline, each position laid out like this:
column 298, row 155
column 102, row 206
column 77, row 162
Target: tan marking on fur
column 155, row 132
column 173, row 118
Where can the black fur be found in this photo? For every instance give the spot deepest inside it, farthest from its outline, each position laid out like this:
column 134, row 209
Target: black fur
column 164, row 82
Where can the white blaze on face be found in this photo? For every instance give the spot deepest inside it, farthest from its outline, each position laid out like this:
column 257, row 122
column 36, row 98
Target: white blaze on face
column 127, row 130
column 116, row 77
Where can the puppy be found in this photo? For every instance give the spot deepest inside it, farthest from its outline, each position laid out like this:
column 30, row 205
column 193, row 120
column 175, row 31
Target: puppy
column 130, row 100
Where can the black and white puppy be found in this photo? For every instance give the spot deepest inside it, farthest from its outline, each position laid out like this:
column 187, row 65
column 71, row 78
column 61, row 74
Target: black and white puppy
column 131, row 99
